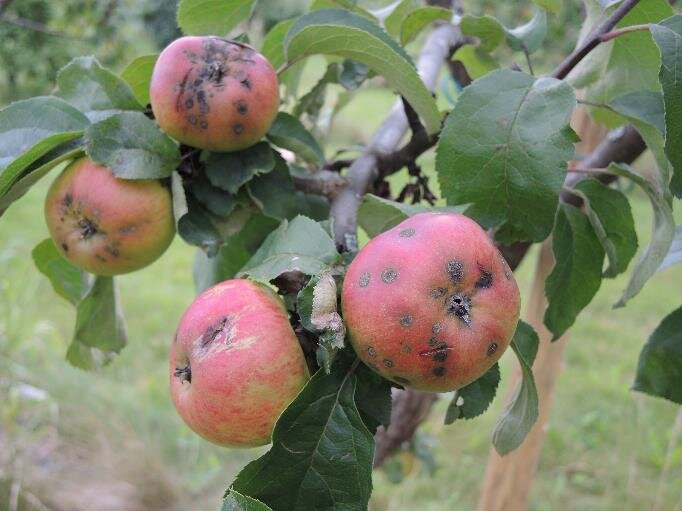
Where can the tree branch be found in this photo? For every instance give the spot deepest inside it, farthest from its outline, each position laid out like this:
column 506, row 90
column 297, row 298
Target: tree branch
column 593, row 40
column 320, row 182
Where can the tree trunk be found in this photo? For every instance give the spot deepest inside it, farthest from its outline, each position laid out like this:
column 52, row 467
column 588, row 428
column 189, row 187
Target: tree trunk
column 508, row 480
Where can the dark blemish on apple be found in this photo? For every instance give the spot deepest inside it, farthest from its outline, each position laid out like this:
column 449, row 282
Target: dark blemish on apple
column 439, row 371
column 388, row 362
column 485, row 280
column 406, row 320
column 181, row 91
column 439, row 351
column 246, row 83
column 455, row 270
column 65, row 247
column 184, row 373
column 407, row 233
column 198, row 82
column 491, row 349
column 87, row 227
column 436, row 328
column 433, row 341
column 364, row 279
column 389, row 275
column 459, row 305
column 128, row 229
column 437, row 292
column 67, row 200
column 215, row 72
column 406, row 348
column 203, row 125
column 189, row 103
column 371, row 351
column 214, row 331
column 113, row 251
column 238, row 129
column 203, row 104
column 100, row 258
column 440, row 355
column 242, row 107
column 192, row 119
column 402, row 380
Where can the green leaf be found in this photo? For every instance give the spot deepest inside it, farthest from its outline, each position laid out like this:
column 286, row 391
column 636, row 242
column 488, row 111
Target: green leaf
column 217, row 201
column 212, row 17
column 132, row 146
column 350, row 5
column 553, row 6
column 626, row 64
column 527, row 341
column 321, row 455
column 230, row 171
column 312, row 102
column 301, row 244
column 645, row 111
column 138, row 75
column 477, row 62
column 94, row 90
column 373, row 398
column 487, row 29
column 352, row 75
column 521, row 412
column 349, row 35
column 197, row 229
column 273, row 44
column 674, row 255
column 289, row 133
column 377, row 214
column 234, row 253
column 510, row 161
column 530, row 35
column 100, row 329
column 24, row 124
column 65, row 278
column 235, row 501
column 421, row 18
column 659, row 371
column 474, row 399
column 608, row 210
column 394, row 21
column 668, row 37
column 661, row 237
column 576, row 276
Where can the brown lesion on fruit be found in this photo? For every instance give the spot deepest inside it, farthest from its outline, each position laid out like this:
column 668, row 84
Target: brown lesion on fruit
column 238, row 129
column 100, row 258
column 87, row 227
column 388, row 362
column 246, row 83
column 491, row 349
column 67, row 200
column 438, row 352
column 184, row 373
column 389, row 275
column 242, row 107
column 112, row 250
column 221, row 330
column 439, row 371
column 365, row 277
column 406, row 320
column 65, row 247
column 455, row 270
column 436, row 328
column 437, row 292
column 406, row 349
column 371, row 351
column 407, row 233
column 485, row 281
column 459, row 305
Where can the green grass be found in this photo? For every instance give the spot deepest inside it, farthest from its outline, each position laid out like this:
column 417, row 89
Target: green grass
column 605, row 448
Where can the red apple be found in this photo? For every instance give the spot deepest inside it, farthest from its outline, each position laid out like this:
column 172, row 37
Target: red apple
column 235, row 364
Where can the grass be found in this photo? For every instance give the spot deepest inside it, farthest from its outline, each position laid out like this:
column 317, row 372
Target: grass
column 116, row 430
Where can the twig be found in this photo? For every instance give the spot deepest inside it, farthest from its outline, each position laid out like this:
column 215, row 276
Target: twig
column 581, row 170
column 530, row 66
column 321, row 182
column 625, row 30
column 593, row 40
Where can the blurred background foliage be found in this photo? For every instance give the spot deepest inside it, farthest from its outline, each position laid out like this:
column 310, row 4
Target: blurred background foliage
column 111, row 441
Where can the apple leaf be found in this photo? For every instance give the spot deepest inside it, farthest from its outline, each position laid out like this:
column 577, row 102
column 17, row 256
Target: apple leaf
column 301, row 244
column 474, row 399
column 553, row 6
column 521, row 412
column 477, row 62
column 394, row 21
column 100, row 329
column 66, row 279
column 674, row 255
column 608, row 210
column 230, row 171
column 661, row 238
column 212, row 17
column 577, row 273
column 196, row 228
column 346, row 34
column 132, row 146
column 217, row 201
column 529, row 37
column 321, row 454
column 289, row 133
column 235, row 501
column 273, row 43
column 138, row 75
column 668, row 37
column 510, row 162
column 94, row 90
column 421, row 18
column 373, row 398
column 487, row 29
column 659, row 371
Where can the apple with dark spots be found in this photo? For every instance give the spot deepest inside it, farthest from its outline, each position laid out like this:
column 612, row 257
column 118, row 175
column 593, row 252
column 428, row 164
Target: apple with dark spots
column 235, row 364
column 430, row 304
column 214, row 94
column 105, row 225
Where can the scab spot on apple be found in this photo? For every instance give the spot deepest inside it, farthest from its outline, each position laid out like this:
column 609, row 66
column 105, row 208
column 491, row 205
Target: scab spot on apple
column 407, row 233
column 389, row 275
column 491, row 349
column 406, row 320
column 485, row 281
column 459, row 305
column 437, row 292
column 365, row 277
column 388, row 362
column 439, row 371
column 220, row 331
column 371, row 351
column 455, row 270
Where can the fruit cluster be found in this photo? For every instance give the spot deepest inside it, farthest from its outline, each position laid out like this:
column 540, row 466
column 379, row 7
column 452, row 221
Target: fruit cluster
column 430, row 304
